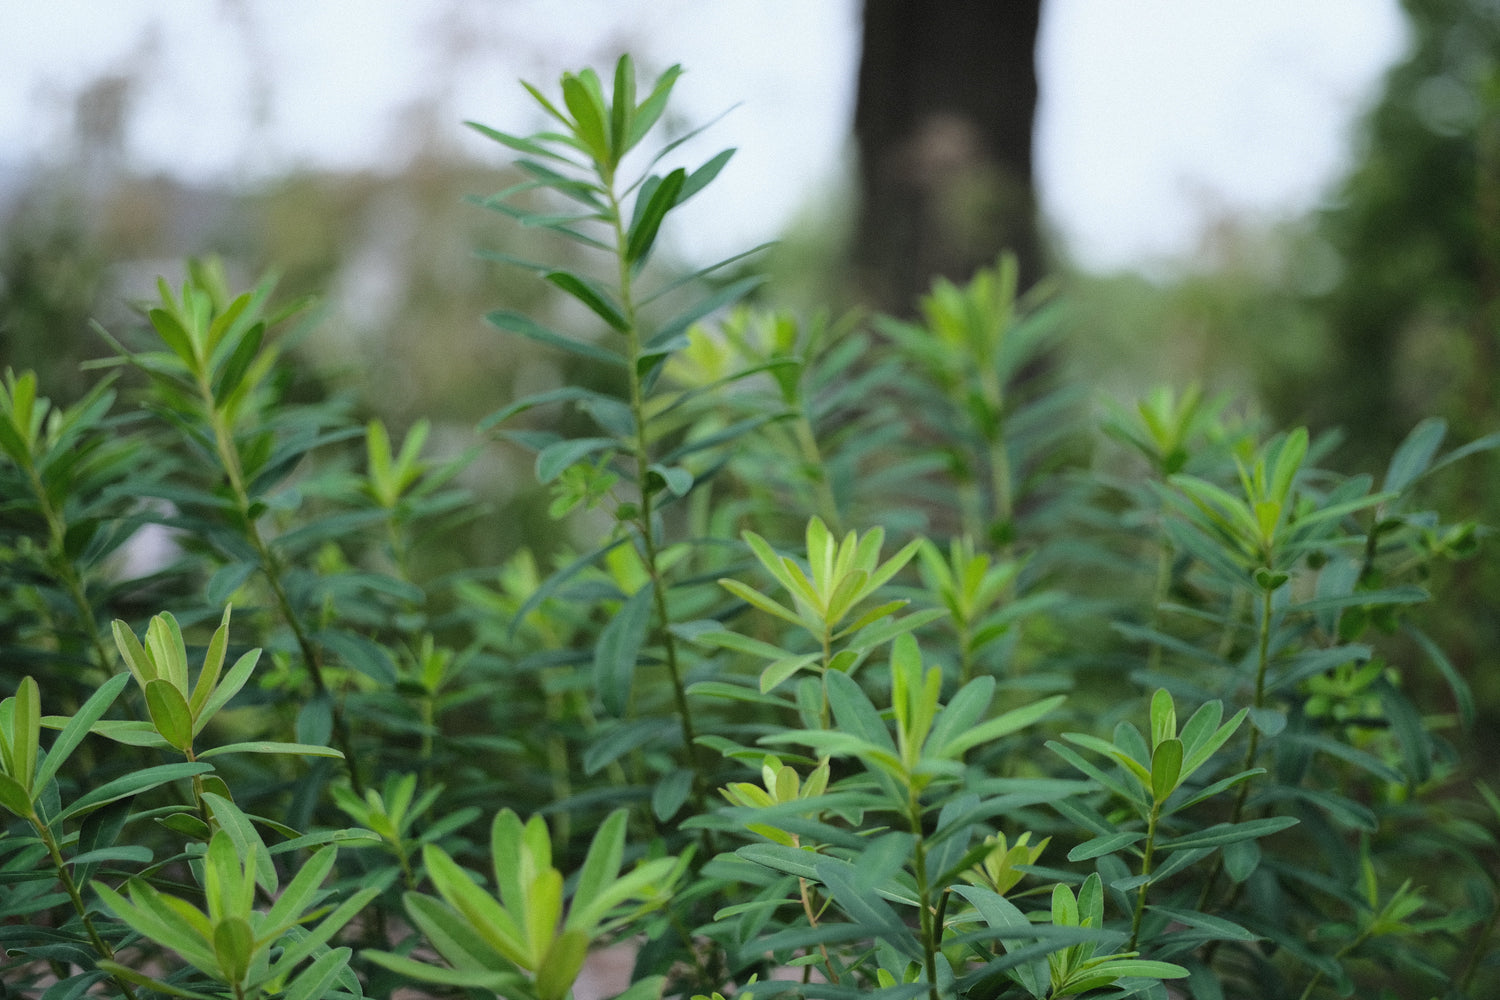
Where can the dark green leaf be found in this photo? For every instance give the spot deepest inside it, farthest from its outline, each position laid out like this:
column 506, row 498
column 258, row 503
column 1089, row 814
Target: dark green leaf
column 670, row 793
column 592, row 295
column 1108, row 844
column 368, row 657
column 1414, row 455
column 1229, row 833
column 704, row 175
column 659, row 200
column 555, row 459
column 619, row 650
column 513, row 322
column 78, row 727
column 131, row 784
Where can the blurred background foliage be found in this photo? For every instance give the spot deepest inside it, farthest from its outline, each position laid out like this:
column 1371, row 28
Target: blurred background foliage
column 1379, row 309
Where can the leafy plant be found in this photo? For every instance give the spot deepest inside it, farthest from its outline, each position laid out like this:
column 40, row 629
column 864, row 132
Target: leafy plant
column 857, row 661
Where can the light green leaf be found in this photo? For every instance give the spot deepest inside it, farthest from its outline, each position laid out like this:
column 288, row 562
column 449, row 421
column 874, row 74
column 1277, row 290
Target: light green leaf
column 234, row 946
column 26, row 733
column 170, row 713
column 131, row 784
column 483, row 912
column 774, row 674
column 272, row 747
column 1163, row 717
column 1166, row 769
column 238, row 676
column 1012, row 721
column 235, row 825
column 213, row 663
column 133, row 653
column 1108, row 844
column 14, row 797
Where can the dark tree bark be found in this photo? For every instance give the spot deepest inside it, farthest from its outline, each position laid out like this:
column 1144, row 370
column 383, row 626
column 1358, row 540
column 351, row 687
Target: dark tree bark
column 946, row 101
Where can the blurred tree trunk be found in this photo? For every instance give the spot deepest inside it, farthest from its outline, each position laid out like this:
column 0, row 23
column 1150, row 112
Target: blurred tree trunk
column 946, row 101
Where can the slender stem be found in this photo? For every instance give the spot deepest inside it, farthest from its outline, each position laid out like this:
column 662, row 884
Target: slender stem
column 1263, row 660
column 812, row 460
column 71, row 888
column 804, row 890
column 931, row 932
column 1146, row 860
column 1158, row 598
column 646, row 531
column 65, row 570
column 271, row 569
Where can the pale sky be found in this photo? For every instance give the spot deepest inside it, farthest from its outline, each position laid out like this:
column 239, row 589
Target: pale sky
column 1158, row 116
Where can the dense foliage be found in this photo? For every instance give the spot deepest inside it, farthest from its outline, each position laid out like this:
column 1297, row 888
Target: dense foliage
column 878, row 662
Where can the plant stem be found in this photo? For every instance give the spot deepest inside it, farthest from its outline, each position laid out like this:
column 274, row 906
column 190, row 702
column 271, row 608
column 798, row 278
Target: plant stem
column 63, row 567
column 644, row 517
column 270, row 567
column 71, row 888
column 1140, row 896
column 1263, row 661
column 931, row 934
column 812, row 460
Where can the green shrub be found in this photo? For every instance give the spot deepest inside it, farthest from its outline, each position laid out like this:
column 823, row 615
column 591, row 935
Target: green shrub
column 1121, row 709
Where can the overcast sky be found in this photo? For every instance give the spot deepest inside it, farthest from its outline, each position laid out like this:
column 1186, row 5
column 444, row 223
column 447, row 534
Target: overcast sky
column 1158, row 116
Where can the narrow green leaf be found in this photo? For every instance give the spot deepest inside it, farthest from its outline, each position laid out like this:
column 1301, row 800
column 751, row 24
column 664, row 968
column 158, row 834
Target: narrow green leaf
column 213, row 664
column 271, row 747
column 314, row 982
column 592, row 295
column 26, row 734
column 777, row 672
column 582, row 95
column 1218, row 927
column 1221, row 834
column 553, row 460
column 227, row 688
column 247, row 841
column 78, row 727
column 228, row 579
column 643, row 229
column 498, row 928
column 175, row 336
column 650, row 110
column 704, row 175
column 165, row 647
column 131, row 784
column 600, row 867
column 759, row 600
column 301, row 892
column 1100, row 846
column 232, row 374
column 1414, row 455
column 622, row 107
column 513, row 322
column 133, row 653
column 1163, row 717
column 619, row 650
column 468, row 977
column 1012, row 721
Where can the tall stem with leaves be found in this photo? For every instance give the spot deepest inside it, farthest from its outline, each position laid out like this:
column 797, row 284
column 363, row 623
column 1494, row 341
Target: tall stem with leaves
column 583, row 164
